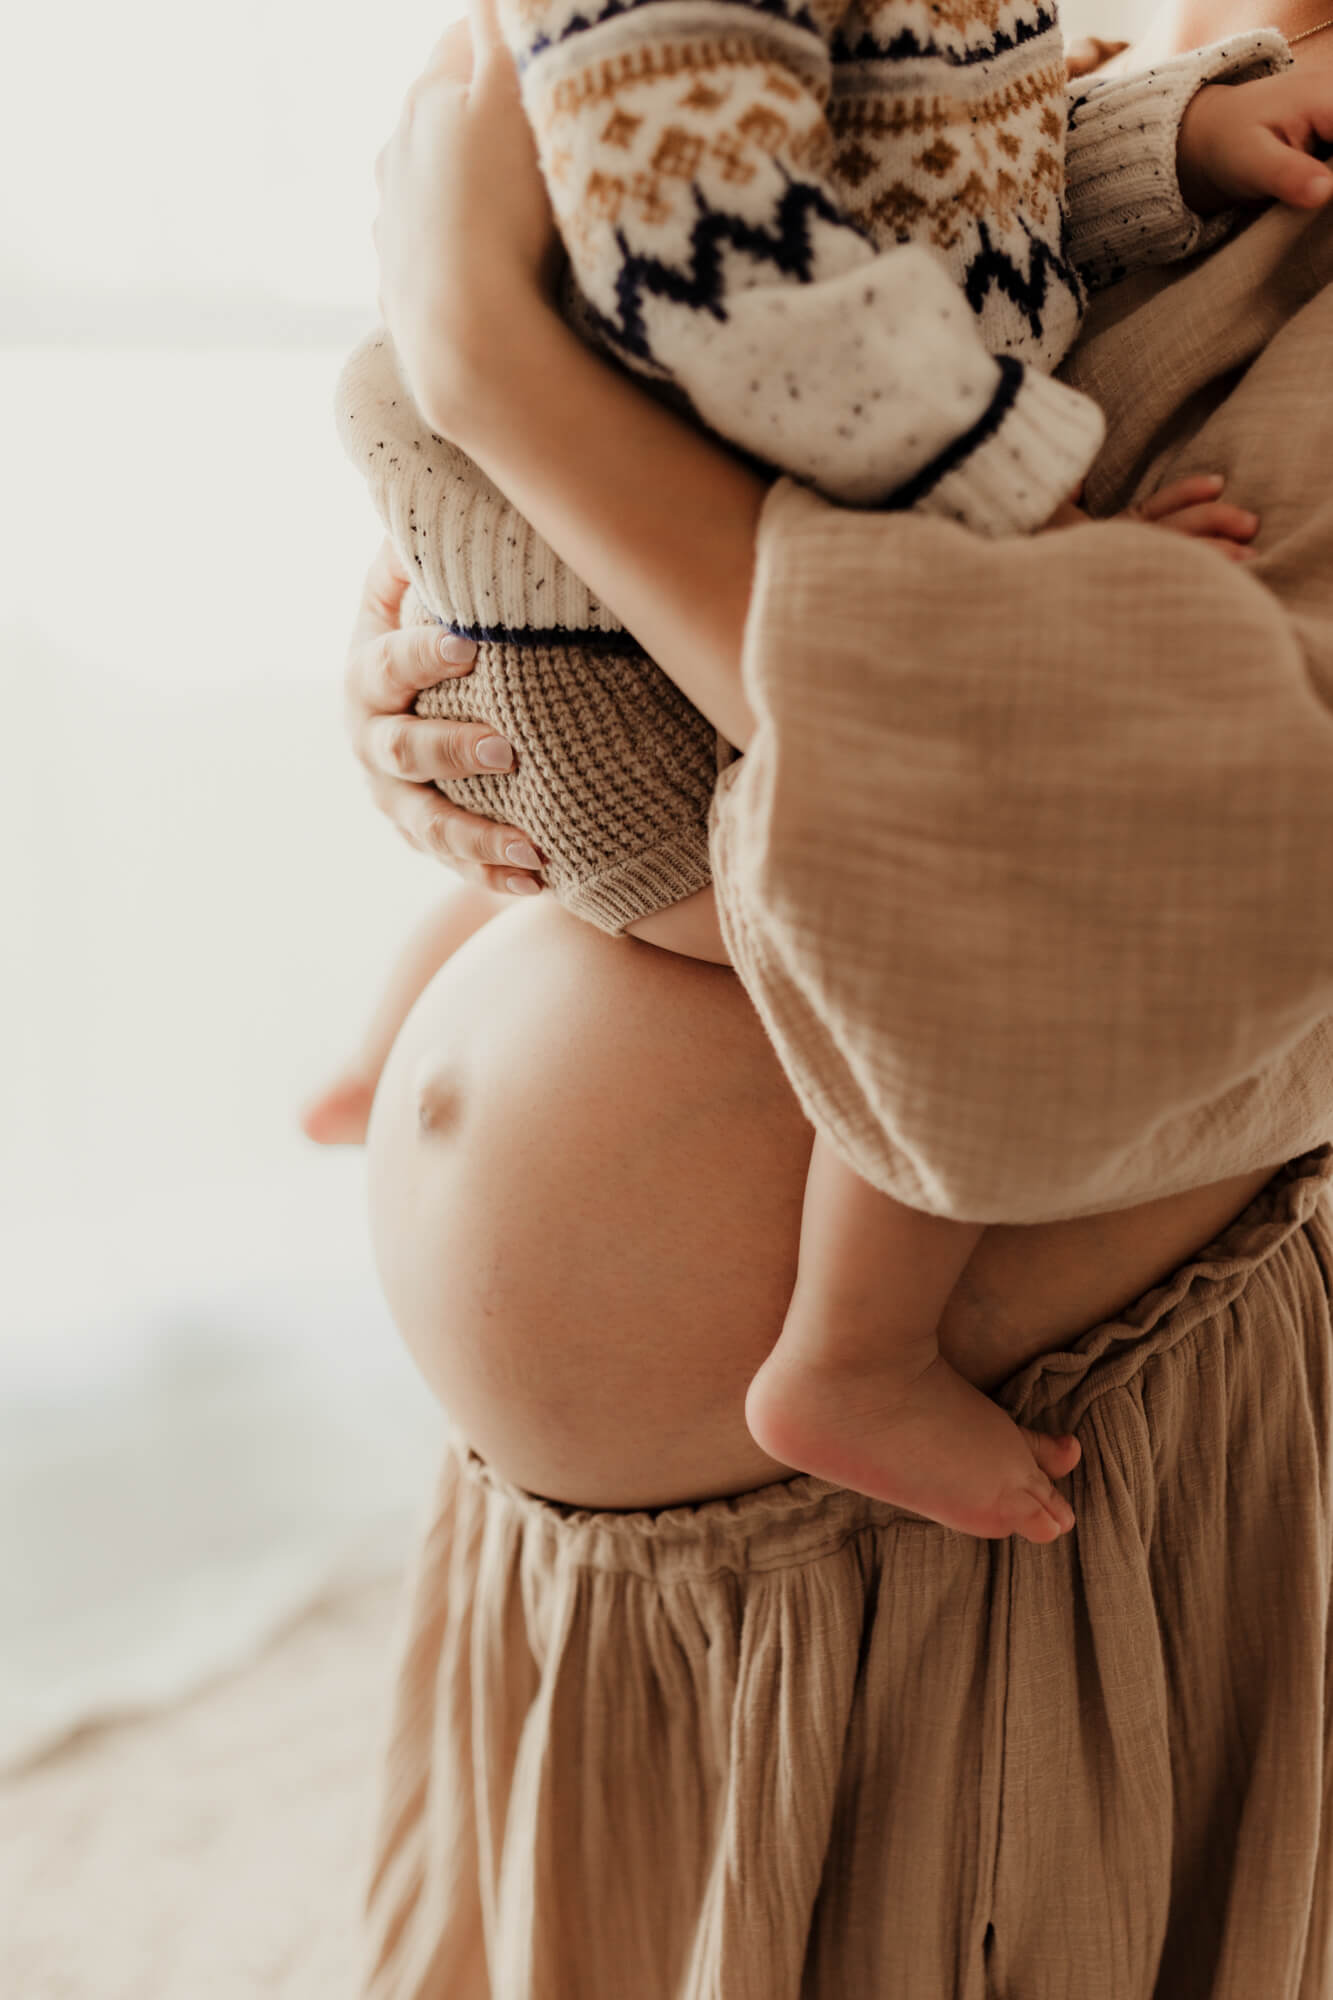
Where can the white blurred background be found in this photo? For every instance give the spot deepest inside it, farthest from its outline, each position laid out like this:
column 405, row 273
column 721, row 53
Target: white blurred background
column 205, row 1418
column 206, row 1423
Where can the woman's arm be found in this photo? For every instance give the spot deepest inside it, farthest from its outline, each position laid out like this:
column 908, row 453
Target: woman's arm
column 658, row 518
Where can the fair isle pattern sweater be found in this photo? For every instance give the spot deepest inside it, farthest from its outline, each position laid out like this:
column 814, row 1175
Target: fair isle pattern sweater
column 842, row 231
column 615, row 768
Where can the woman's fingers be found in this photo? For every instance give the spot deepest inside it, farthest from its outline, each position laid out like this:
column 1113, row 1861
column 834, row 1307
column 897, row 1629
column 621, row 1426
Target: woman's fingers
column 407, row 755
column 386, row 672
column 484, row 23
column 381, row 595
column 467, row 842
column 426, row 751
column 452, row 55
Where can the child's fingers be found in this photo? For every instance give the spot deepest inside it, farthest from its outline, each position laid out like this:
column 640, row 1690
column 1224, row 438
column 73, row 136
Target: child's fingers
column 1180, row 493
column 1320, row 114
column 1213, row 520
column 1264, row 164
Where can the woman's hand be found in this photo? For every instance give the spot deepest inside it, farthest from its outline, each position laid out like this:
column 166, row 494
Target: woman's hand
column 464, row 235
column 404, row 754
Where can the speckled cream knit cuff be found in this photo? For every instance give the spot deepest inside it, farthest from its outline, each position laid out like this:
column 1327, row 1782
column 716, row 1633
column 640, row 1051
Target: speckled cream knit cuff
column 1123, row 194
column 615, row 769
column 1030, row 450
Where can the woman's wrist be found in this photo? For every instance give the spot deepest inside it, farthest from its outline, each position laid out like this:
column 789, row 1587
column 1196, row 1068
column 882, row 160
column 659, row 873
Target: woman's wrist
column 486, row 364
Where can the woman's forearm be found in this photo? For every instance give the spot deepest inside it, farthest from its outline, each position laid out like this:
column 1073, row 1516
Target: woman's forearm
column 654, row 516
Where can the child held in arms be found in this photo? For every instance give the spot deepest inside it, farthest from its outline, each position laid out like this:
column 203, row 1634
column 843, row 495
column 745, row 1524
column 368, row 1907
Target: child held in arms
column 855, row 241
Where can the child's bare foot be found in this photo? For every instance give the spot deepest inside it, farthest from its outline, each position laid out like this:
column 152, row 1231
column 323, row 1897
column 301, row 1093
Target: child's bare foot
column 339, row 1115
column 927, row 1441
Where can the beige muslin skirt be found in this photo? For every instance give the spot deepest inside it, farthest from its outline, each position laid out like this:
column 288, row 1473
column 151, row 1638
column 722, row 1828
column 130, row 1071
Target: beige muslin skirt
column 802, row 1743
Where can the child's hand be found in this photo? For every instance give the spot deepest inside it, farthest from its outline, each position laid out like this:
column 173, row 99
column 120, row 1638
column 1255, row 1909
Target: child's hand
column 1252, row 141
column 1188, row 507
column 1194, row 507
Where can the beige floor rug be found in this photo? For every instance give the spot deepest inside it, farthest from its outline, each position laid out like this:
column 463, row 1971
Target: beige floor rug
column 215, row 1851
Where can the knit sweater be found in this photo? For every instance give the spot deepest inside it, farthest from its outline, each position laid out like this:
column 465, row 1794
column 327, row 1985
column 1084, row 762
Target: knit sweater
column 853, row 234
column 615, row 768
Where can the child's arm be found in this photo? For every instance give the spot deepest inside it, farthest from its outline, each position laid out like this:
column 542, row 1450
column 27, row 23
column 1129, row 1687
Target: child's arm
column 689, row 928
column 688, row 162
column 338, row 1116
column 1127, row 178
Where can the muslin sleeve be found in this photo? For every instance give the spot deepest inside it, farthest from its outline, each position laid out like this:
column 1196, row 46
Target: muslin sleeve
column 1029, row 865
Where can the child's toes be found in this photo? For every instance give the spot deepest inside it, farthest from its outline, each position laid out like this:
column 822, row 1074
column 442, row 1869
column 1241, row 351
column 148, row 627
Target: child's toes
column 1055, row 1455
column 1034, row 1521
column 1040, row 1513
column 339, row 1115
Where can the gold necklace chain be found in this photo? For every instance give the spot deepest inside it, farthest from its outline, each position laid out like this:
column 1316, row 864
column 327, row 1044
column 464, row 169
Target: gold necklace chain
column 1306, row 33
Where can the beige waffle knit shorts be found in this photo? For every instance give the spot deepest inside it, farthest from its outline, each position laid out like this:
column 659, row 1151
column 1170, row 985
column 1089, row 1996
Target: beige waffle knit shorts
column 802, row 1743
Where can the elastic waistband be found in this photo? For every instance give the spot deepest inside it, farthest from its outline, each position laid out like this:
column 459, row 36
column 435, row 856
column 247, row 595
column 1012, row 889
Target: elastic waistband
column 801, row 1519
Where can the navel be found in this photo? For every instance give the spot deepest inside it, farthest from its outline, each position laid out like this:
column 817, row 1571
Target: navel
column 438, row 1098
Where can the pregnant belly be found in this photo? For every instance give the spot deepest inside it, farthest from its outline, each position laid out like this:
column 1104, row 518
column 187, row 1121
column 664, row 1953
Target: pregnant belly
column 586, row 1175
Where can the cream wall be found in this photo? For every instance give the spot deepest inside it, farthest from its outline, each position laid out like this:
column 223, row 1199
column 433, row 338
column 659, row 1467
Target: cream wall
column 1114, row 20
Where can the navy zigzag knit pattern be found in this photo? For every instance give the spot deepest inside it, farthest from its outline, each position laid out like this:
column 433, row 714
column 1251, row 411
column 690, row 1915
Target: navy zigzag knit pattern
column 698, row 284
column 581, row 24
column 993, row 269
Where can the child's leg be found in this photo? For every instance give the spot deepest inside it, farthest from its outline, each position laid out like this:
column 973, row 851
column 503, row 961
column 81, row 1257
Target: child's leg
column 857, row 1391
column 340, row 1113
column 689, row 928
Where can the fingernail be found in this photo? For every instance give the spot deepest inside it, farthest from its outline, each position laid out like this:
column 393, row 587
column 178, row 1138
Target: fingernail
column 495, row 753
column 1318, row 189
column 456, row 651
column 523, row 885
column 522, row 855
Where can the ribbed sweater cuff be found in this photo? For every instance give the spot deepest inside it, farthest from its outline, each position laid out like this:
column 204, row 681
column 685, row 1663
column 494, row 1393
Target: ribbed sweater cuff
column 1033, row 449
column 1125, row 205
column 475, row 560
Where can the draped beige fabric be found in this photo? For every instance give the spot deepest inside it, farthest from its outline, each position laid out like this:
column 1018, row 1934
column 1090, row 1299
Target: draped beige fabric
column 1029, row 866
column 802, row 1745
